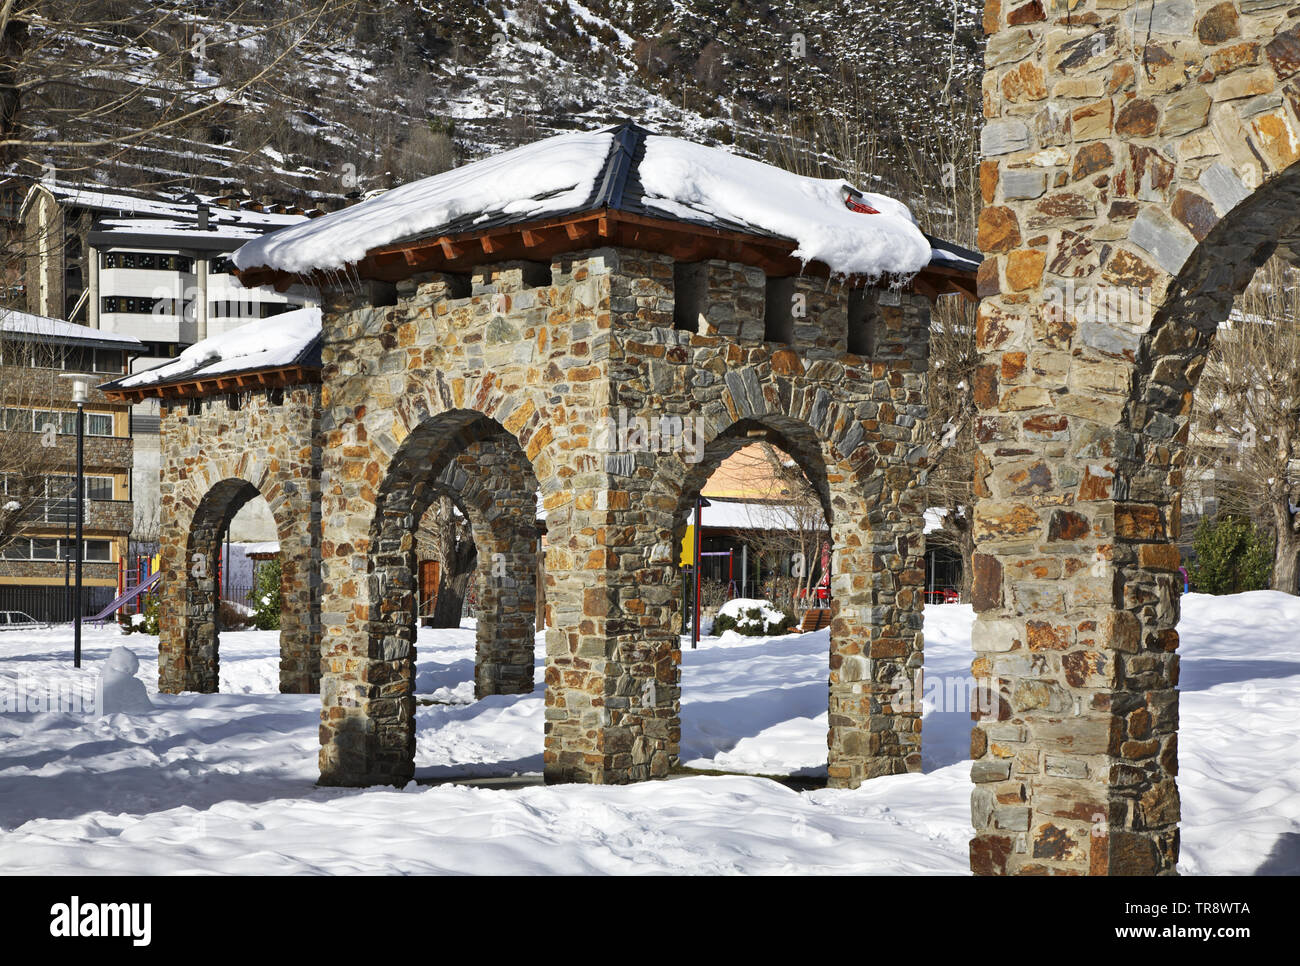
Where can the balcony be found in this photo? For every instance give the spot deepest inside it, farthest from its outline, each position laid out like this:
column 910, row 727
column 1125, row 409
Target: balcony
column 102, row 453
column 60, row 512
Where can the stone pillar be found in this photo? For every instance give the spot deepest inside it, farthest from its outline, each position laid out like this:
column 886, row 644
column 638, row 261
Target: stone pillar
column 877, row 584
column 878, row 571
column 1075, row 744
column 494, row 486
column 611, row 653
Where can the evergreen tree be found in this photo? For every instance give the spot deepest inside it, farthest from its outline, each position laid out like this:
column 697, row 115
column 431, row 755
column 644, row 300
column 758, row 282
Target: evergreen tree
column 1232, row 556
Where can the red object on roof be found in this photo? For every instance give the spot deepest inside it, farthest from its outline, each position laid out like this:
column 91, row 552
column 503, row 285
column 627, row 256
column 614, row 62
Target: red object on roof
column 861, row 207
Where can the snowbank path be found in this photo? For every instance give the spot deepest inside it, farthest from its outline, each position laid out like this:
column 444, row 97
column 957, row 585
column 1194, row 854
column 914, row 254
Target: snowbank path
column 225, row 783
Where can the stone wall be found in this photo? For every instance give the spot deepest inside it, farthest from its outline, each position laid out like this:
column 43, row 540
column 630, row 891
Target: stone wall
column 538, row 365
column 1138, row 167
column 215, row 460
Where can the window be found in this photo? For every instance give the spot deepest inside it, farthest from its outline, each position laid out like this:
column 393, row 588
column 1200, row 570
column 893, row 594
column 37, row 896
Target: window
column 99, row 551
column 778, row 311
column 99, row 424
column 689, row 295
column 147, row 260
column 862, row 324
column 16, row 550
column 64, row 423
column 194, row 407
column 44, row 548
column 79, row 360
column 110, row 360
column 99, row 488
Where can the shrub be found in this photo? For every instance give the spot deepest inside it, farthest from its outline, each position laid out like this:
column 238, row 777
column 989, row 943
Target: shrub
column 1232, row 556
column 145, row 622
column 233, row 617
column 760, row 620
column 265, row 597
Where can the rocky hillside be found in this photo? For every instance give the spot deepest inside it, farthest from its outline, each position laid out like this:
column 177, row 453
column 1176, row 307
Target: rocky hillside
column 318, row 101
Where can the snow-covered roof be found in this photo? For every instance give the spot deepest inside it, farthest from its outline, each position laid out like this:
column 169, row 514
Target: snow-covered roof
column 124, row 205
column 728, row 515
column 260, row 549
column 625, row 168
column 44, row 329
column 219, row 229
column 290, row 339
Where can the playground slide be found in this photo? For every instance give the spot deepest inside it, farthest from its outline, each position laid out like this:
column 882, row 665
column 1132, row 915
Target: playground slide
column 127, row 597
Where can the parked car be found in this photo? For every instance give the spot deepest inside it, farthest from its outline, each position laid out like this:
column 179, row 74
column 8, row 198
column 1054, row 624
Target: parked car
column 942, row 595
column 16, row 620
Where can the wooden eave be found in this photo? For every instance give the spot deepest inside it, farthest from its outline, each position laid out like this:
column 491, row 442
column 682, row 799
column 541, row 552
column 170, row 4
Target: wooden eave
column 544, row 239
column 249, row 381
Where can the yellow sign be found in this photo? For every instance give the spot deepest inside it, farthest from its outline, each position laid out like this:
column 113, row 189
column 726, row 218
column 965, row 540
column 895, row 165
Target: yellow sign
column 688, row 547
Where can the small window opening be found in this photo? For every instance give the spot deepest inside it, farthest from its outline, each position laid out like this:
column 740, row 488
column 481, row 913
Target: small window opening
column 862, row 323
column 779, row 311
column 689, row 291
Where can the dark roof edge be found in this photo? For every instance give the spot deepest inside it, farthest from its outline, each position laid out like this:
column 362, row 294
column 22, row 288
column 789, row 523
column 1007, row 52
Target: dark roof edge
column 100, row 238
column 308, row 358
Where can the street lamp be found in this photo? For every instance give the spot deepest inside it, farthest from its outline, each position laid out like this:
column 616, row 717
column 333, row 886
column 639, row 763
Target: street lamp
column 80, row 392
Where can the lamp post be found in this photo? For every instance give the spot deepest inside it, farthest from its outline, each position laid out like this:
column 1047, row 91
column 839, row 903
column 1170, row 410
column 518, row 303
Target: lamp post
column 80, row 391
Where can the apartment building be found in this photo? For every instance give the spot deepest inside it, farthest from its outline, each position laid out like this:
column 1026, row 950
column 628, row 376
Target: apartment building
column 38, row 481
column 157, row 270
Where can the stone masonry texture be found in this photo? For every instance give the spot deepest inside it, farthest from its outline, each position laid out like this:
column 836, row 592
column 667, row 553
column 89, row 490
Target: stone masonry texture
column 1138, row 166
column 235, row 448
column 496, row 387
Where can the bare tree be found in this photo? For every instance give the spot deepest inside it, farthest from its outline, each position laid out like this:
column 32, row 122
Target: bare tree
column 1246, row 439
column 787, row 524
column 34, row 458
column 444, row 535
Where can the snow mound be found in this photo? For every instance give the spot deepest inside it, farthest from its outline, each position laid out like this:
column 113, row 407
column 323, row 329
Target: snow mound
column 751, row 615
column 276, row 341
column 120, row 690
column 690, row 180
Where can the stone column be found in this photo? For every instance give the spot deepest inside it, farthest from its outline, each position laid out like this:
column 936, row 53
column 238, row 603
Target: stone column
column 1075, row 744
column 611, row 653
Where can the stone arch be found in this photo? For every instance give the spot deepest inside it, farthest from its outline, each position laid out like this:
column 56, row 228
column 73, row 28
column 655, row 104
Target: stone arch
column 551, row 367
column 468, row 455
column 874, row 515
column 190, row 623
column 1126, row 205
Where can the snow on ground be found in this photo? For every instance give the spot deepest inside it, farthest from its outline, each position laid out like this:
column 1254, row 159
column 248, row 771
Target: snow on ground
column 225, row 783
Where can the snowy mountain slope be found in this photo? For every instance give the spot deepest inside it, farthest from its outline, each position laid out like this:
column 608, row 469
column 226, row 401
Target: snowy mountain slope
column 371, row 98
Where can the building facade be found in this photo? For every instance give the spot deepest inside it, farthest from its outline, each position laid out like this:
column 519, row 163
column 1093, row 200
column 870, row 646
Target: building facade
column 156, row 270
column 38, row 483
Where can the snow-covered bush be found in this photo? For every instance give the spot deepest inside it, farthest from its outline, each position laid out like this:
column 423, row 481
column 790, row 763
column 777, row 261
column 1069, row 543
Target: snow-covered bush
column 235, row 617
column 145, row 622
column 753, row 618
column 265, row 597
